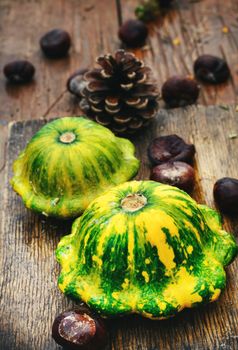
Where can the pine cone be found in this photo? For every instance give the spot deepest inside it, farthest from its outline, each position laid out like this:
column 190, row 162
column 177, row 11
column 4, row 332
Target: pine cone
column 121, row 94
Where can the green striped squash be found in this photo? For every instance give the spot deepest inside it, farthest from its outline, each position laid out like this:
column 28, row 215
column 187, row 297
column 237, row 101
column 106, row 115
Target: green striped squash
column 68, row 163
column 146, row 248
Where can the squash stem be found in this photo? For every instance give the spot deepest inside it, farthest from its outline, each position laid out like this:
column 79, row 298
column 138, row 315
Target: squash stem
column 133, row 202
column 67, row 137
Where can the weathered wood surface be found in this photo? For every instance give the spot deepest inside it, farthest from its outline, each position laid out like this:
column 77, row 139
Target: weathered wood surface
column 189, row 29
column 93, row 27
column 28, row 292
column 29, row 295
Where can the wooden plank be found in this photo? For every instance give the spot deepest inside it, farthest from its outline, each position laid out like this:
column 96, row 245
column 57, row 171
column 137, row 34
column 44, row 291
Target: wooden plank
column 23, row 22
column 189, row 29
column 93, row 26
column 3, row 145
column 29, row 295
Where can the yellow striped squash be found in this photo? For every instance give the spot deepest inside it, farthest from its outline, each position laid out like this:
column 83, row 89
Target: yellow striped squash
column 68, row 163
column 146, row 248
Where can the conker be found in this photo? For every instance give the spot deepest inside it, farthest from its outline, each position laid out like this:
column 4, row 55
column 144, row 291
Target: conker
column 225, row 192
column 211, row 69
column 170, row 148
column 179, row 91
column 76, row 83
column 19, row 71
column 177, row 174
column 133, row 33
column 55, row 43
column 80, row 329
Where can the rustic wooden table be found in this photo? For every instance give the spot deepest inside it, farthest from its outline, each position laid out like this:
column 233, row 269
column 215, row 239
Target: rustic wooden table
column 29, row 296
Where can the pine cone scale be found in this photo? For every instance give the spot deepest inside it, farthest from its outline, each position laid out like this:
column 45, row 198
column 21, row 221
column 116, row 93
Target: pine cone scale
column 120, row 119
column 104, row 62
column 112, row 101
column 92, row 75
column 103, row 120
column 130, row 67
column 95, row 86
column 111, row 110
column 133, row 101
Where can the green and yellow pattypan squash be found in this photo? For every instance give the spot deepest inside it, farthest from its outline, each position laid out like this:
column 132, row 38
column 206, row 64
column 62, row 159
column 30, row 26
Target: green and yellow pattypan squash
column 146, row 248
column 68, row 163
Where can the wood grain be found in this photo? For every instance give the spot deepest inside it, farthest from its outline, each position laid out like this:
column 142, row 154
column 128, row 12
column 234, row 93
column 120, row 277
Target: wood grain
column 196, row 25
column 187, row 30
column 22, row 23
column 29, row 298
column 29, row 295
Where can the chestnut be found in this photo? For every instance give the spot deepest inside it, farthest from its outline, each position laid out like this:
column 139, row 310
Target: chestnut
column 211, row 69
column 177, row 174
column 133, row 33
column 55, row 43
column 80, row 329
column 76, row 83
column 225, row 193
column 20, row 71
column 179, row 91
column 170, row 148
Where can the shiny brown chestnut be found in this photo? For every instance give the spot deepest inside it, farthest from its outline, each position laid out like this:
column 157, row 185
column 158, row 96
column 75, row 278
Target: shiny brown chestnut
column 55, row 43
column 20, row 71
column 76, row 83
column 133, row 33
column 211, row 69
column 225, row 193
column 170, row 148
column 178, row 174
column 179, row 91
column 80, row 329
